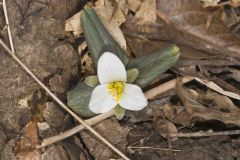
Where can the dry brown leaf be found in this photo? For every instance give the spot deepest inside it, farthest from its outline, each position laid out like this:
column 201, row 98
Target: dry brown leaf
column 73, row 24
column 191, row 20
column 187, row 23
column 164, row 127
column 87, row 64
column 208, row 3
column 26, row 146
column 112, row 17
column 111, row 14
column 222, row 102
column 82, row 47
column 177, row 115
column 200, row 112
column 147, row 13
column 134, row 5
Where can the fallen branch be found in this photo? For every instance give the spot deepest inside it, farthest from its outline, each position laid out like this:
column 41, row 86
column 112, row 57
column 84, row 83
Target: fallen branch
column 149, row 94
column 204, row 134
column 56, row 99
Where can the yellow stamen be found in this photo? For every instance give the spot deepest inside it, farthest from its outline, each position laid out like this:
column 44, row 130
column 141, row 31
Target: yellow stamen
column 116, row 89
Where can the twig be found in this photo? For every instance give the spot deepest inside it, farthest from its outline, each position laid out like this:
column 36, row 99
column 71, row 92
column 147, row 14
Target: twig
column 149, row 94
column 76, row 129
column 205, row 134
column 165, row 87
column 8, row 26
column 155, row 148
column 61, row 103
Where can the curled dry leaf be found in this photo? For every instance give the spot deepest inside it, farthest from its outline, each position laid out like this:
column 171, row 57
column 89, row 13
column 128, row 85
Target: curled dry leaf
column 200, row 112
column 87, row 64
column 222, row 102
column 82, row 47
column 164, row 126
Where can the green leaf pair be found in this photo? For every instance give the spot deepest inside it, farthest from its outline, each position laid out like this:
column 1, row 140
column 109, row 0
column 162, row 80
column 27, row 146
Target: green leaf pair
column 141, row 71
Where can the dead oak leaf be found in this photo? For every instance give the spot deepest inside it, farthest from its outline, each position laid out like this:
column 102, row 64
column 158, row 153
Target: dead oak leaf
column 146, row 13
column 111, row 14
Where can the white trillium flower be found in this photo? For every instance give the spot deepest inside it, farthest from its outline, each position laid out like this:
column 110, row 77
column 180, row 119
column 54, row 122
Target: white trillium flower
column 113, row 89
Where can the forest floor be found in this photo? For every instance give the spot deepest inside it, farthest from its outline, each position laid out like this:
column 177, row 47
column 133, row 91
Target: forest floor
column 48, row 38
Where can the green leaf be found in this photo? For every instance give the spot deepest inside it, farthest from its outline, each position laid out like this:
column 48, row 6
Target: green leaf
column 98, row 38
column 91, row 81
column 132, row 75
column 154, row 64
column 119, row 112
column 78, row 99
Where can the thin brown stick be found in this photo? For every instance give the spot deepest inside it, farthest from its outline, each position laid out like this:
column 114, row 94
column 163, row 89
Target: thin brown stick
column 76, row 129
column 205, row 134
column 165, row 87
column 8, row 26
column 154, row 148
column 149, row 94
column 61, row 103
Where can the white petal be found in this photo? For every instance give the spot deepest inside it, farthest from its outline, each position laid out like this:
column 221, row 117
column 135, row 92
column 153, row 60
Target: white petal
column 110, row 69
column 101, row 101
column 133, row 98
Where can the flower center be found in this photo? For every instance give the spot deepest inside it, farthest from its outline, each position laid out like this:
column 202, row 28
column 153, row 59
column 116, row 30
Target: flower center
column 115, row 89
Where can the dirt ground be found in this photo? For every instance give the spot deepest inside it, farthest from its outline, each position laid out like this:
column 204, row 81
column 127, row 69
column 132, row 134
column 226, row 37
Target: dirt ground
column 28, row 115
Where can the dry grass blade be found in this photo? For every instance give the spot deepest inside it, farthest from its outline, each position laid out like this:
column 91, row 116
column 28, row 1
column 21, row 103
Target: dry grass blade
column 8, row 26
column 16, row 59
column 218, row 89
